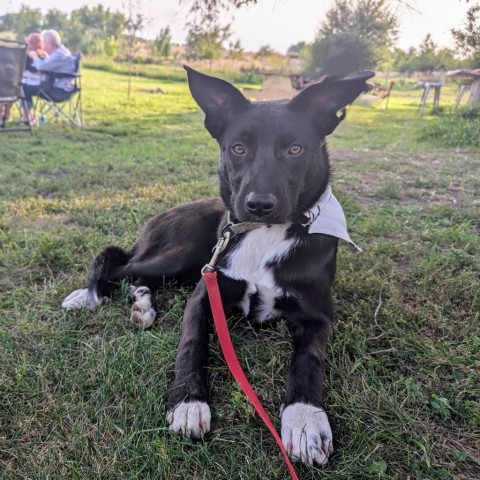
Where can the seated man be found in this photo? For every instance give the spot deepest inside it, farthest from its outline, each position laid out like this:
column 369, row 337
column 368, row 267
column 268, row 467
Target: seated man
column 59, row 60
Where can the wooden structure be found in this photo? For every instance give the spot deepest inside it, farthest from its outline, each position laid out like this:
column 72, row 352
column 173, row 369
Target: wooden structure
column 474, row 87
column 427, row 88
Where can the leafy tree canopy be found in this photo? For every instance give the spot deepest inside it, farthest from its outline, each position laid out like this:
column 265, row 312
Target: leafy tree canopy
column 468, row 38
column 163, row 42
column 89, row 29
column 206, row 42
column 210, row 10
column 355, row 35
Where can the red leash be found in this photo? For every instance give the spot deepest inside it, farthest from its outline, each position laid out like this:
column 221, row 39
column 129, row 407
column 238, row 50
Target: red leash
column 210, row 276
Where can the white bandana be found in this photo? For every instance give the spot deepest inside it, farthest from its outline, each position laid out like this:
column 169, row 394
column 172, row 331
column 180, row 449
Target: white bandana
column 327, row 217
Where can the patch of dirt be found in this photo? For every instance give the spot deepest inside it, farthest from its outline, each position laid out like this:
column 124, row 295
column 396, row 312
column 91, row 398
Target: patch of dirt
column 46, row 222
column 56, row 173
column 157, row 90
column 409, row 179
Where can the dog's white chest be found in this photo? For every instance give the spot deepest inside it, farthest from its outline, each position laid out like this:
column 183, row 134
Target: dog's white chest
column 252, row 261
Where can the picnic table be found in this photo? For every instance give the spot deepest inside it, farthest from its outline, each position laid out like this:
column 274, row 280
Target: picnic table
column 474, row 86
column 427, row 87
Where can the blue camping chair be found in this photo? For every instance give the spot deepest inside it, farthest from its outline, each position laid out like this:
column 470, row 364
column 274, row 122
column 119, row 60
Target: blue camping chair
column 54, row 104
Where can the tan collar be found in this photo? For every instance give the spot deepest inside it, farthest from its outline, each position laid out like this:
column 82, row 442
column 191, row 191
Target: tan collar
column 243, row 227
column 325, row 217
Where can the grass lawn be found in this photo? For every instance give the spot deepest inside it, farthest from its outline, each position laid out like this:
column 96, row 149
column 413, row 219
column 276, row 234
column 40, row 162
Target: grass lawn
column 82, row 395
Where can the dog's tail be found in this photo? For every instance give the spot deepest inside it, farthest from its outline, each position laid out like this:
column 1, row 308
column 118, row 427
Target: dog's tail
column 102, row 274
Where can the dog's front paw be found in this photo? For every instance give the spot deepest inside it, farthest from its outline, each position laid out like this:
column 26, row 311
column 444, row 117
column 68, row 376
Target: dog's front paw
column 306, row 433
column 191, row 419
column 82, row 298
column 142, row 314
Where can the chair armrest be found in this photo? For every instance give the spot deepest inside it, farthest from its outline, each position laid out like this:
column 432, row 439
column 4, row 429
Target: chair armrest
column 60, row 75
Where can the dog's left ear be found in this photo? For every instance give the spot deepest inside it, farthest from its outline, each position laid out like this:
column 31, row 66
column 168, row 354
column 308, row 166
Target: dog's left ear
column 322, row 101
column 219, row 100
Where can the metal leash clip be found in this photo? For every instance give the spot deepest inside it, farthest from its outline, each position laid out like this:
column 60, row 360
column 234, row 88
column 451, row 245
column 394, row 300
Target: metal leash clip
column 217, row 250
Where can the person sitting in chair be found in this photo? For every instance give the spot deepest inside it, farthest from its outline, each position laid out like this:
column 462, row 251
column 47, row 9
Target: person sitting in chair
column 59, row 60
column 31, row 76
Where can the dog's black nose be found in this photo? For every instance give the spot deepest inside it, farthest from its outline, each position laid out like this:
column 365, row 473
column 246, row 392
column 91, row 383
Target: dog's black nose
column 260, row 204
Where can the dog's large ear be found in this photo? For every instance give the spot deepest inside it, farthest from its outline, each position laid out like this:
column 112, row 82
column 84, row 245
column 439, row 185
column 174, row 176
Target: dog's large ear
column 323, row 101
column 219, row 100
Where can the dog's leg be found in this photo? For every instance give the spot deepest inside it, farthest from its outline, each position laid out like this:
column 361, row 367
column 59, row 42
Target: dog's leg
column 306, row 432
column 189, row 413
column 143, row 311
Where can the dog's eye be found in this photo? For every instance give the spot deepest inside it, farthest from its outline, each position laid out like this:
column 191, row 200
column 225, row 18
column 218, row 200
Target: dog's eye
column 295, row 150
column 238, row 149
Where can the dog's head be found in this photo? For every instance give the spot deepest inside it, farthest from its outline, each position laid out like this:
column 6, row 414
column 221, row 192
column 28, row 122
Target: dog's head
column 273, row 159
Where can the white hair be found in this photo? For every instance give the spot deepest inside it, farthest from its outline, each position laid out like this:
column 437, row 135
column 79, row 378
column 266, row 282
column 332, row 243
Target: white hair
column 52, row 36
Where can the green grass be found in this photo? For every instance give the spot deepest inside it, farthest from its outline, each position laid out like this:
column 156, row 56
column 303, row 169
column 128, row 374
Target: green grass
column 167, row 72
column 82, row 395
column 460, row 129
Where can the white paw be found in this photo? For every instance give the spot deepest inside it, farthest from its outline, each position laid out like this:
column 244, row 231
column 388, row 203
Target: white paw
column 81, row 298
column 191, row 419
column 306, row 433
column 142, row 314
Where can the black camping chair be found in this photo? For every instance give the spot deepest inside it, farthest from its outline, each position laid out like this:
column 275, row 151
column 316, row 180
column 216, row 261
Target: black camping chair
column 13, row 57
column 54, row 104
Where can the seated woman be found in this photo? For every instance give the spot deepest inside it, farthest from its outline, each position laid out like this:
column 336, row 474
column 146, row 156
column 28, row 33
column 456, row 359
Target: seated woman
column 59, row 60
column 31, row 76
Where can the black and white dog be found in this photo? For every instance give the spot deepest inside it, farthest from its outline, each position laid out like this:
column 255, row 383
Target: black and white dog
column 280, row 262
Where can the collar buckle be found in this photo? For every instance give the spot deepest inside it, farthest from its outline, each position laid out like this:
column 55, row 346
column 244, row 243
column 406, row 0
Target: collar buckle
column 217, row 250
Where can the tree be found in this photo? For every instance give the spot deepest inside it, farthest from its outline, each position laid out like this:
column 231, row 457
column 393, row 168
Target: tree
column 210, row 10
column 236, row 50
column 402, row 60
column 296, row 49
column 264, row 52
column 26, row 21
column 90, row 30
column 424, row 59
column 57, row 20
column 163, row 42
column 468, row 39
column 427, row 59
column 96, row 30
column 133, row 25
column 428, row 46
column 356, row 35
column 446, row 59
column 205, row 42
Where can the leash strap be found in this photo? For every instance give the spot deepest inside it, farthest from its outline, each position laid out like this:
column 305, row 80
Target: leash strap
column 226, row 345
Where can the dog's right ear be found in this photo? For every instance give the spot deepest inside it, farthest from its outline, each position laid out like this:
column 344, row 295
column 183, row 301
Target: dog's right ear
column 219, row 100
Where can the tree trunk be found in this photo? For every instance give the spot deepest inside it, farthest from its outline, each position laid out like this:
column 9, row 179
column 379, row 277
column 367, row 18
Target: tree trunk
column 474, row 98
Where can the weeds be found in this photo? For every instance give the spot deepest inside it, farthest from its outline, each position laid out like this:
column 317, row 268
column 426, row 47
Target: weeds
column 460, row 130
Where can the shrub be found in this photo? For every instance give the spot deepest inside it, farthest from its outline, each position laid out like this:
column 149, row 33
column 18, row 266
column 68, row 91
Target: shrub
column 459, row 130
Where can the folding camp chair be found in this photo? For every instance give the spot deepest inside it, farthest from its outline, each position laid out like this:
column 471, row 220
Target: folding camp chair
column 383, row 94
column 378, row 95
column 13, row 57
column 61, row 105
